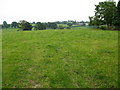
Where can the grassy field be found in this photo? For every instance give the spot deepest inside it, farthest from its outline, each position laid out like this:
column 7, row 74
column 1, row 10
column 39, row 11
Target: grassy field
column 73, row 58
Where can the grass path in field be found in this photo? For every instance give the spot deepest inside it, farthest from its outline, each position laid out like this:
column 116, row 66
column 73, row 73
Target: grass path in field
column 60, row 58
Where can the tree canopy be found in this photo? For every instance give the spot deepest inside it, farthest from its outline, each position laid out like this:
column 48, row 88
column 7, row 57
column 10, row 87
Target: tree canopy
column 52, row 25
column 104, row 13
column 69, row 24
column 117, row 15
column 40, row 26
column 24, row 25
column 14, row 24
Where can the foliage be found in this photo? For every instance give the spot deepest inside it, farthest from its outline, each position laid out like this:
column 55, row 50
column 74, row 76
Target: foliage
column 52, row 25
column 33, row 22
column 61, row 27
column 64, row 22
column 14, row 24
column 68, row 27
column 117, row 16
column 40, row 26
column 24, row 25
column 94, row 21
column 104, row 13
column 69, row 24
column 91, row 20
column 58, row 22
column 5, row 25
column 103, row 27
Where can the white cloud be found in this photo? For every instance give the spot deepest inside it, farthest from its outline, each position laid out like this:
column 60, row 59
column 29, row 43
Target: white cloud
column 46, row 10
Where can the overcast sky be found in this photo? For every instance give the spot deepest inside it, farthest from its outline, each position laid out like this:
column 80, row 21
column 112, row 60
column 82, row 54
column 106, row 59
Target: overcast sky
column 46, row 10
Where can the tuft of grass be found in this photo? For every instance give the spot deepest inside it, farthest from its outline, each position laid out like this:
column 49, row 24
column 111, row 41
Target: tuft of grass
column 75, row 58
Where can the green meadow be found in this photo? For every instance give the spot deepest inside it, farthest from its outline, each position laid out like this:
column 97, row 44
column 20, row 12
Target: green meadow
column 69, row 58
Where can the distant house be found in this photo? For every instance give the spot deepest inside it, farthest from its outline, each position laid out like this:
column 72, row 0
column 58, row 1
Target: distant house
column 82, row 23
column 86, row 23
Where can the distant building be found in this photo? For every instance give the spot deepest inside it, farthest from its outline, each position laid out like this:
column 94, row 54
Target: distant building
column 82, row 23
column 86, row 23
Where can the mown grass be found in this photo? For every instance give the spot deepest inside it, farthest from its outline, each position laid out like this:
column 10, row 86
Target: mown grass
column 75, row 58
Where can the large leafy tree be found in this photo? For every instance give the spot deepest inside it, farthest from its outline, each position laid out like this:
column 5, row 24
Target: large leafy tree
column 24, row 25
column 94, row 20
column 117, row 15
column 104, row 13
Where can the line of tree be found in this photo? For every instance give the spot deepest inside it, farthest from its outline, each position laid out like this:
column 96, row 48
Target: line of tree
column 107, row 15
column 24, row 25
